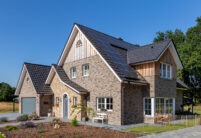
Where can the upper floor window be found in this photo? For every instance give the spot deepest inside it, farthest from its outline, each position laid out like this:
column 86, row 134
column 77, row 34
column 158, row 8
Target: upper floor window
column 85, row 70
column 79, row 43
column 165, row 71
column 73, row 72
column 104, row 103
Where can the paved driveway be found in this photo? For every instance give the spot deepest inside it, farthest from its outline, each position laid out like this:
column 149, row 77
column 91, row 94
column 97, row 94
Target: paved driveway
column 10, row 116
column 192, row 132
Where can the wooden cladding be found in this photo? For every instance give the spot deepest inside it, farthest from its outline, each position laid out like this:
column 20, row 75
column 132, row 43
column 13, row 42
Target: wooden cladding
column 83, row 51
column 146, row 69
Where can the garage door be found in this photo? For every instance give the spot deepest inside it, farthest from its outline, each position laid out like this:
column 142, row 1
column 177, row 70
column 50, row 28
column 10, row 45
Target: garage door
column 28, row 105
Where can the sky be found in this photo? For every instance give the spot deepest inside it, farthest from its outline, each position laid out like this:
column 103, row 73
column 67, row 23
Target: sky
column 36, row 30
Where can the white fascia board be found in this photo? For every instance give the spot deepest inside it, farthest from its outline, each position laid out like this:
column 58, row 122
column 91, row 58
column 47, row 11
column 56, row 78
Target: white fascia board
column 100, row 55
column 49, row 77
column 20, row 82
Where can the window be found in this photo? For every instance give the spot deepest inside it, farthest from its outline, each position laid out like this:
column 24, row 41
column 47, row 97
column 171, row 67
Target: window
column 165, row 71
column 74, row 100
column 79, row 43
column 73, row 72
column 164, row 105
column 57, row 100
column 85, row 70
column 104, row 103
column 147, row 105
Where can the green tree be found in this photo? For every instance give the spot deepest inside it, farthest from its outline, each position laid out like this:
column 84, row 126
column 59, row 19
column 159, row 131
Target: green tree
column 6, row 92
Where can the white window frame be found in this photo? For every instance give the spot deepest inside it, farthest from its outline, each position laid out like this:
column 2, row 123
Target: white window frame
column 85, row 72
column 73, row 72
column 165, row 74
column 74, row 100
column 165, row 103
column 105, row 103
column 152, row 106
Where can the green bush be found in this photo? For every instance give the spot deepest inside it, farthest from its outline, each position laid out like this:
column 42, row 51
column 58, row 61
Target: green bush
column 41, row 131
column 24, row 117
column 74, row 122
column 2, row 135
column 10, row 128
column 4, row 119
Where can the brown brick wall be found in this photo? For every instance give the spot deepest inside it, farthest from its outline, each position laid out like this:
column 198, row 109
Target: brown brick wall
column 100, row 83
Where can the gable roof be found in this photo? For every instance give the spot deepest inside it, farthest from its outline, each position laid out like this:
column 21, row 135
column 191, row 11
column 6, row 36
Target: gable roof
column 38, row 74
column 147, row 53
column 65, row 79
column 104, row 46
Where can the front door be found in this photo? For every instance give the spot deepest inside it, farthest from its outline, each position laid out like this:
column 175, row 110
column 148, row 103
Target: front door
column 65, row 106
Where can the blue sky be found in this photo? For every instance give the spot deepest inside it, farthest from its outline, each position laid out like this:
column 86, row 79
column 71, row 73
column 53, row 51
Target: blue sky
column 36, row 31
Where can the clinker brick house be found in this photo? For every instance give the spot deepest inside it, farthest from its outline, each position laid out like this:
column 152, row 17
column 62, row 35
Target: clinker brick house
column 132, row 84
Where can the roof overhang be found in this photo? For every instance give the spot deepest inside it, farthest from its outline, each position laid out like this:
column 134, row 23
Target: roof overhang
column 52, row 73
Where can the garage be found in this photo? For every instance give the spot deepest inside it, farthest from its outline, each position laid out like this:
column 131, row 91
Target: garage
column 28, row 105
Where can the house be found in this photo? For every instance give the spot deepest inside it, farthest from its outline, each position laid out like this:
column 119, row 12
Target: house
column 131, row 84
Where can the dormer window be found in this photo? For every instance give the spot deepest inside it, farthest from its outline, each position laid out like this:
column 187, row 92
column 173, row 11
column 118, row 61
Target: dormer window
column 79, row 43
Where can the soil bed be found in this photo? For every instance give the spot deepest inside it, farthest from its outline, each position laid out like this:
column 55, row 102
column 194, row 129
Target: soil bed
column 66, row 131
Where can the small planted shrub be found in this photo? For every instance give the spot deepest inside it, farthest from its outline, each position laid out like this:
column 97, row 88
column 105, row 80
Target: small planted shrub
column 41, row 131
column 24, row 117
column 3, row 119
column 56, row 123
column 33, row 115
column 2, row 135
column 29, row 124
column 10, row 128
column 41, row 124
column 74, row 122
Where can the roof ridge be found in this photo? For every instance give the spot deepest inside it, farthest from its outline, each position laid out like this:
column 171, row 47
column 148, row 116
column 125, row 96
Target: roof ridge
column 36, row 64
column 107, row 35
column 150, row 44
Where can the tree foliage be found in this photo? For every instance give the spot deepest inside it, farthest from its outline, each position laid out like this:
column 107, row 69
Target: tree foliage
column 6, row 92
column 189, row 48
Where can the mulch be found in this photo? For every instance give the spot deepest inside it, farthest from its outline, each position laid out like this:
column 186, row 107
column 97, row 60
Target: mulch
column 67, row 131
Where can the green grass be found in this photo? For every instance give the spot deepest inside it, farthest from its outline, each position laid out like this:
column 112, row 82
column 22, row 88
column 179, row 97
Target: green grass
column 196, row 109
column 158, row 129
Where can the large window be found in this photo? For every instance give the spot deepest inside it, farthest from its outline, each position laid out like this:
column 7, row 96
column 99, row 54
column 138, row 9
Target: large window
column 165, row 71
column 147, row 106
column 73, row 72
column 164, row 105
column 85, row 70
column 104, row 103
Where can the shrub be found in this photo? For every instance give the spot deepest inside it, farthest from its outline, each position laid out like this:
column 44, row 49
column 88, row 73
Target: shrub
column 24, row 117
column 55, row 121
column 2, row 135
column 29, row 124
column 33, row 115
column 74, row 122
column 3, row 119
column 41, row 123
column 10, row 128
column 41, row 131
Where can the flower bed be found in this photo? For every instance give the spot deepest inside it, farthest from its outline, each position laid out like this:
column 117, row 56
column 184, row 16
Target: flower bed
column 66, row 130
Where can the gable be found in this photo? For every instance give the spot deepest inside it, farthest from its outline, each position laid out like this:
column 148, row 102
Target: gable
column 83, row 51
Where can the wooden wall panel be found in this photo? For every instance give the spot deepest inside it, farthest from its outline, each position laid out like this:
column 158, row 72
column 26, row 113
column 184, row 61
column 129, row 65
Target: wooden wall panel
column 145, row 69
column 77, row 53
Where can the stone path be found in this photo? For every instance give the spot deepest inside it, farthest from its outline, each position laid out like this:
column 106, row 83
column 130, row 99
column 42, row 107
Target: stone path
column 191, row 132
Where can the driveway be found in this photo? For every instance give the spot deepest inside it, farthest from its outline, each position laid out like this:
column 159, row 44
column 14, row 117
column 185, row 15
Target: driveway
column 191, row 132
column 10, row 116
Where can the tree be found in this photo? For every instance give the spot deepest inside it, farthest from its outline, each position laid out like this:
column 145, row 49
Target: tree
column 6, row 92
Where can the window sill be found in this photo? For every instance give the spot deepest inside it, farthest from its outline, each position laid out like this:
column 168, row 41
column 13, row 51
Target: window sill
column 105, row 110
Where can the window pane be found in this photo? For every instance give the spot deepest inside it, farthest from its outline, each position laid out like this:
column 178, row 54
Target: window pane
column 147, row 106
column 164, row 70
column 168, row 71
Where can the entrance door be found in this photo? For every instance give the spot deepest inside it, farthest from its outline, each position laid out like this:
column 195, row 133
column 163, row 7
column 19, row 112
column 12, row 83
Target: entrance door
column 65, row 106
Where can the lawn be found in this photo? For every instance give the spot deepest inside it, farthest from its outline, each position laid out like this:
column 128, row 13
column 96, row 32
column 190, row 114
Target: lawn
column 196, row 109
column 66, row 130
column 158, row 129
column 6, row 107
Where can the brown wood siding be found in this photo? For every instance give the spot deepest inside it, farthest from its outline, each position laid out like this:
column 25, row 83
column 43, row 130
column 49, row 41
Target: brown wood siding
column 146, row 69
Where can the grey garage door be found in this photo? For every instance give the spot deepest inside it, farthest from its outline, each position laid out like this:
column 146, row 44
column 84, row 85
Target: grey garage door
column 28, row 105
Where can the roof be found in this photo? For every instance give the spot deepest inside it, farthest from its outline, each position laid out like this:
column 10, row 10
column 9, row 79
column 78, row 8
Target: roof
column 147, row 53
column 105, row 44
column 38, row 74
column 64, row 78
column 181, row 84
